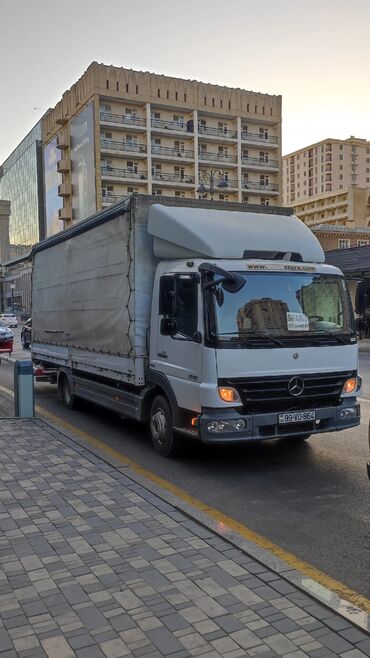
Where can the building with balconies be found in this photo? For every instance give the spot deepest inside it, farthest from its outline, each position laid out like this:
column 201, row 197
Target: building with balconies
column 120, row 131
column 329, row 166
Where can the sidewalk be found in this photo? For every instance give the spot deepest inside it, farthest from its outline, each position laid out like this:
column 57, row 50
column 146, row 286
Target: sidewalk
column 94, row 564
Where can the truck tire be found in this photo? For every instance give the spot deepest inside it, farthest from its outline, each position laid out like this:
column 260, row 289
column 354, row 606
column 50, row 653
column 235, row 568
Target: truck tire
column 302, row 437
column 160, row 425
column 68, row 398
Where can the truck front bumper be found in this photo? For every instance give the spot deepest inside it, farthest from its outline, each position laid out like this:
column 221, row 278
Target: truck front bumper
column 260, row 427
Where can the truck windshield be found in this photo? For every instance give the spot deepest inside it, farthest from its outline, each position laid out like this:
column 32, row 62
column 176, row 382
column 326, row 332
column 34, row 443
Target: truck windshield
column 273, row 305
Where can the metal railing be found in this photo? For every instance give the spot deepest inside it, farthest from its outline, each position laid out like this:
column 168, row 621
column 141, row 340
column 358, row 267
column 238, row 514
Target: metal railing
column 260, row 138
column 173, row 178
column 263, row 187
column 217, row 132
column 115, row 145
column 263, row 164
column 125, row 119
column 183, row 126
column 113, row 198
column 173, row 153
column 216, row 157
column 116, row 172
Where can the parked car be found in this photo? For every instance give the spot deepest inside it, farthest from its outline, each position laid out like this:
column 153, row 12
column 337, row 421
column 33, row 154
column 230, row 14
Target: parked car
column 9, row 319
column 6, row 339
column 26, row 334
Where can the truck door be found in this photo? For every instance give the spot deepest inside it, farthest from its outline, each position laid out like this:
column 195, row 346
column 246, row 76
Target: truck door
column 178, row 353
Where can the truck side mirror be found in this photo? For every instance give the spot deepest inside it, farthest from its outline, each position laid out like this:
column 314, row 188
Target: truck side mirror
column 168, row 327
column 360, row 298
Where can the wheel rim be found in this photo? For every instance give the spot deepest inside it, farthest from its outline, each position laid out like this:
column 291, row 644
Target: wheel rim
column 158, row 426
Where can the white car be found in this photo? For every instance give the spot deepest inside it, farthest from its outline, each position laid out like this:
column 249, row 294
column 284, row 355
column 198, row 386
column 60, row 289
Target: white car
column 9, row 319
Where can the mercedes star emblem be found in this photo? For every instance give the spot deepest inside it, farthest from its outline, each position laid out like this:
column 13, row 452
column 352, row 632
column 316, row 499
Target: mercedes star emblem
column 296, row 386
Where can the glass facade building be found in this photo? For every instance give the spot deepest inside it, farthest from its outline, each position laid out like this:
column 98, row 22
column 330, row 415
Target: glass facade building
column 21, row 183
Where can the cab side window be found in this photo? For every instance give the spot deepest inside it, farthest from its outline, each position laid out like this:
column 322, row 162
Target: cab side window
column 178, row 299
column 186, row 313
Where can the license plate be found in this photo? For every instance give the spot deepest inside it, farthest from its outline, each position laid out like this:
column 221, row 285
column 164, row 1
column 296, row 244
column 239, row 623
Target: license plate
column 296, row 417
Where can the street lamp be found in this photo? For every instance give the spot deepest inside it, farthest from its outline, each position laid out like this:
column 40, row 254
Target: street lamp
column 211, row 175
column 12, row 287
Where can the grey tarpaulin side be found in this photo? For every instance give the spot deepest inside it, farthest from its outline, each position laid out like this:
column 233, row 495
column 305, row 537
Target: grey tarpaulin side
column 92, row 290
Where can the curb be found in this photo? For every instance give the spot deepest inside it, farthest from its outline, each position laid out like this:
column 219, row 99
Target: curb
column 309, row 586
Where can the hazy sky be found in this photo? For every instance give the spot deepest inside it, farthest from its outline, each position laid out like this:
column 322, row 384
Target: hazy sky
column 315, row 53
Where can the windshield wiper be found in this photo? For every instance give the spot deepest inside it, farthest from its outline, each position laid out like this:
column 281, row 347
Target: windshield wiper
column 253, row 334
column 338, row 338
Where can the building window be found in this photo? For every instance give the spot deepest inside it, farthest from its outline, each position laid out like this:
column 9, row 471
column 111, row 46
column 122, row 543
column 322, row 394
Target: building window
column 159, row 93
column 132, row 190
column 180, row 194
column 157, row 192
column 185, row 98
column 107, row 84
column 176, row 95
column 127, row 88
column 363, row 243
column 265, row 201
column 205, row 100
column 344, row 244
column 221, row 103
column 168, row 94
column 137, row 89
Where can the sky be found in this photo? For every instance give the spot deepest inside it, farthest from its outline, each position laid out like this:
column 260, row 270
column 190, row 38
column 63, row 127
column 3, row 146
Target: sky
column 315, row 53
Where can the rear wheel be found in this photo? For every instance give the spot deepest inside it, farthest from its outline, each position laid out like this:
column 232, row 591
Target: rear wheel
column 160, row 425
column 68, row 398
column 24, row 342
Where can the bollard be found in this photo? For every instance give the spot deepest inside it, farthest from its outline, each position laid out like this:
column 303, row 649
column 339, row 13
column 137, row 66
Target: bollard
column 24, row 397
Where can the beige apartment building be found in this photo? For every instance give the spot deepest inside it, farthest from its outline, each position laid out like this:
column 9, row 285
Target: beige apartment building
column 349, row 208
column 118, row 131
column 331, row 165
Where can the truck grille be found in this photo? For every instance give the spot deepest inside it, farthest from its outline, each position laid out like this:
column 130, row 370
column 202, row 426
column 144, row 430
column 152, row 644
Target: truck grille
column 265, row 394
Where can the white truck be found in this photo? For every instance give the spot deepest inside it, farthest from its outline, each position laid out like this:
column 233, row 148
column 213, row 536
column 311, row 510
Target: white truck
column 217, row 322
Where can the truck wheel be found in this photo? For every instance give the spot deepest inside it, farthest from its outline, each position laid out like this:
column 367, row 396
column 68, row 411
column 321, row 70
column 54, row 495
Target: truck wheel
column 160, row 424
column 25, row 345
column 68, row 398
column 302, row 437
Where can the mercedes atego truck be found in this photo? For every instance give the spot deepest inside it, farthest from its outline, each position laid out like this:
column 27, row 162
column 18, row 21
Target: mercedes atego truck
column 219, row 322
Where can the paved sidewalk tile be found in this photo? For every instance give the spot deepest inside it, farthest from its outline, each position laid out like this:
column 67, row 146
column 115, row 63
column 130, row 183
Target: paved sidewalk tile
column 92, row 565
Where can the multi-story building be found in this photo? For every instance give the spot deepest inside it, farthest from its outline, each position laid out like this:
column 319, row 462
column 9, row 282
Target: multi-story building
column 120, row 131
column 349, row 208
column 340, row 237
column 21, row 183
column 331, row 165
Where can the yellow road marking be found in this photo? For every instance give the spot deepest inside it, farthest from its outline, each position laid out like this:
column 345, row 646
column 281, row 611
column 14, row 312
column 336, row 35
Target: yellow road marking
column 296, row 563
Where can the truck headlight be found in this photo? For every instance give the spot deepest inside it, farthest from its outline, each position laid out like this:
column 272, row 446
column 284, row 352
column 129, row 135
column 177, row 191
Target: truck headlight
column 237, row 425
column 350, row 385
column 228, row 394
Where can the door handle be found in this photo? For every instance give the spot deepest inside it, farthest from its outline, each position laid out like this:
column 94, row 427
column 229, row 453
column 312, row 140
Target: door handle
column 162, row 355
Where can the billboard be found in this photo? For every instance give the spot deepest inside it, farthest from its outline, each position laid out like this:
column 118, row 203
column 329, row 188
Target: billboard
column 51, row 181
column 83, row 164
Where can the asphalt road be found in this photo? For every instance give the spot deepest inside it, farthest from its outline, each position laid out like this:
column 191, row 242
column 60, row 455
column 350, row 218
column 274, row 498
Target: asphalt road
column 311, row 498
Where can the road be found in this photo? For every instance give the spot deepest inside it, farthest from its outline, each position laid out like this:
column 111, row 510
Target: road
column 311, row 499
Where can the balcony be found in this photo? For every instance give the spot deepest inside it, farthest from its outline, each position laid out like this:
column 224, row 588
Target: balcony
column 255, row 186
column 109, row 199
column 64, row 189
column 164, row 151
column 177, row 179
column 122, row 119
column 63, row 166
column 216, row 157
column 118, row 173
column 65, row 214
column 260, row 140
column 216, row 132
column 257, row 163
column 62, row 142
column 180, row 126
column 125, row 147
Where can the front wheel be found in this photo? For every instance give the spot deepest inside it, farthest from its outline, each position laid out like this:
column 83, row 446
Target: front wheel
column 160, row 425
column 68, row 398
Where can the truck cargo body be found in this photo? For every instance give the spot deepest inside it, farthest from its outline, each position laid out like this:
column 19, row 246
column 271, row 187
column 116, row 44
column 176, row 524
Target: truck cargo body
column 223, row 323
